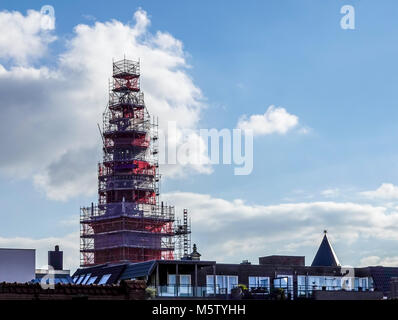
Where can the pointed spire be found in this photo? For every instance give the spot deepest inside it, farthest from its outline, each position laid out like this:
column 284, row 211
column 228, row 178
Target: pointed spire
column 325, row 257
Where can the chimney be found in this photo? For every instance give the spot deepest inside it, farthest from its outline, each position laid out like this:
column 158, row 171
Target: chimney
column 55, row 259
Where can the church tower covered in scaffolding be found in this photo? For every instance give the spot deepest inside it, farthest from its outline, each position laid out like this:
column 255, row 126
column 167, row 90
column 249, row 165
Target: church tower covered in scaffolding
column 129, row 223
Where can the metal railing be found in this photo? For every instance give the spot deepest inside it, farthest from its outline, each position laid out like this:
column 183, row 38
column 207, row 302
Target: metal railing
column 183, row 291
column 303, row 290
column 164, row 212
column 126, row 66
column 150, row 170
column 264, row 292
column 135, row 99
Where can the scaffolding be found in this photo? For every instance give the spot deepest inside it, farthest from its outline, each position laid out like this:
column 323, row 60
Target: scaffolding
column 182, row 231
column 129, row 223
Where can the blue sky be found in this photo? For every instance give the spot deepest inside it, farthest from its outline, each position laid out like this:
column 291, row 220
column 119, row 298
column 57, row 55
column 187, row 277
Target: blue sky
column 244, row 57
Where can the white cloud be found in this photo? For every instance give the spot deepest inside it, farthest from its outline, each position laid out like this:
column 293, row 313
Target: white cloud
column 71, row 221
column 59, row 180
column 330, row 193
column 52, row 111
column 274, row 120
column 24, row 37
column 387, row 191
column 233, row 230
column 377, row 261
column 305, row 130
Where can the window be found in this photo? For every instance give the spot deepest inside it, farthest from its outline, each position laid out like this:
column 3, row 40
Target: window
column 370, row 283
column 171, row 285
column 86, row 278
column 172, row 280
column 184, row 288
column 104, row 279
column 232, row 282
column 362, row 284
column 80, row 279
column 347, row 284
column 307, row 284
column 224, row 284
column 285, row 282
column 258, row 283
column 282, row 281
column 185, row 284
column 302, row 285
column 91, row 280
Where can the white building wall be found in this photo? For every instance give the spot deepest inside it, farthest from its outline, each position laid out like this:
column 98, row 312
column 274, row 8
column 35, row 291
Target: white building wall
column 17, row 265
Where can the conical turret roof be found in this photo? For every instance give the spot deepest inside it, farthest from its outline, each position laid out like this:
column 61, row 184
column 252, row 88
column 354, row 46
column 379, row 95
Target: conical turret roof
column 325, row 257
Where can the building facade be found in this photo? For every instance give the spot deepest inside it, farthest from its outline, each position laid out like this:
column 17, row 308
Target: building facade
column 273, row 275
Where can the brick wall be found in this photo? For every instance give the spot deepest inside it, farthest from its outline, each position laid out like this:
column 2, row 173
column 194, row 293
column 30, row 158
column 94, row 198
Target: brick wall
column 127, row 290
column 282, row 260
